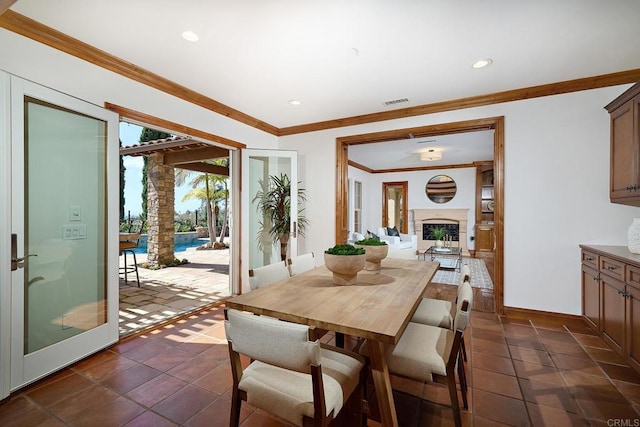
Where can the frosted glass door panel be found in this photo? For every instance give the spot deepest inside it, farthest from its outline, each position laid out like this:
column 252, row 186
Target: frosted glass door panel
column 65, row 209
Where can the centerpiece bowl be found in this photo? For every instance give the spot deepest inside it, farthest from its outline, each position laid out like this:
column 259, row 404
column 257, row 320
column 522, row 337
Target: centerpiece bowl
column 376, row 250
column 345, row 261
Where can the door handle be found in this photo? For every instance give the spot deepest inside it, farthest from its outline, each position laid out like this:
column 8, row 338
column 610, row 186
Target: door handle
column 17, row 262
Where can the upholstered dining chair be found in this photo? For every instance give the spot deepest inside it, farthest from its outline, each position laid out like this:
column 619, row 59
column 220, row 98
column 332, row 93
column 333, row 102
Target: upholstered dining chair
column 264, row 276
column 436, row 312
column 301, row 263
column 427, row 353
column 302, row 381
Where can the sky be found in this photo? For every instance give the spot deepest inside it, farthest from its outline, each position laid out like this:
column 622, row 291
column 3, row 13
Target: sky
column 129, row 135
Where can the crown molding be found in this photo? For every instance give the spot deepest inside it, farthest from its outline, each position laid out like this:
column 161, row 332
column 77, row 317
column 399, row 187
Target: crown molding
column 5, row 5
column 586, row 83
column 34, row 30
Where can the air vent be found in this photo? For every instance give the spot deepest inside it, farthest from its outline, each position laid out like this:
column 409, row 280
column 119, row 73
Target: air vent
column 425, row 141
column 395, row 101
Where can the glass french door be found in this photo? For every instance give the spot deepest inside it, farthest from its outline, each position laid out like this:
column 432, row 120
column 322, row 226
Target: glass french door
column 64, row 210
column 261, row 170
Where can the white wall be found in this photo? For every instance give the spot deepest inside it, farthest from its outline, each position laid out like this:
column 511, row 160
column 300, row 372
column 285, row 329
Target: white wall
column 556, row 190
column 556, row 167
column 49, row 67
column 465, row 197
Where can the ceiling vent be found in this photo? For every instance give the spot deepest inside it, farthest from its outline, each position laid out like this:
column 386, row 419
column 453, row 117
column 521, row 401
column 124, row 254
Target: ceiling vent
column 425, row 141
column 395, row 101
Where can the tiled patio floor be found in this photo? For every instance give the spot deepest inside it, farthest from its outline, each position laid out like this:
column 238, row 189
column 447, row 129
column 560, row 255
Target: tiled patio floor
column 173, row 291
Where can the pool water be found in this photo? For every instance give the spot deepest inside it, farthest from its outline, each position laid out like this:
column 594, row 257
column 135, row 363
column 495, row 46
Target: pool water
column 178, row 247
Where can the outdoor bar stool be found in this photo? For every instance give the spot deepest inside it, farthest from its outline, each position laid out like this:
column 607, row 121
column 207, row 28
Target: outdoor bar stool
column 128, row 242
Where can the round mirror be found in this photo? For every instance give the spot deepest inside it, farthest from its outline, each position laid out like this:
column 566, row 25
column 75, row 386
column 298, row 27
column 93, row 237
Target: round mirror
column 441, row 189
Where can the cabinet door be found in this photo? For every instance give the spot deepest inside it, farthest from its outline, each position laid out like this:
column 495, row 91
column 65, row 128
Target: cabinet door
column 623, row 152
column 485, row 239
column 613, row 312
column 633, row 327
column 591, row 296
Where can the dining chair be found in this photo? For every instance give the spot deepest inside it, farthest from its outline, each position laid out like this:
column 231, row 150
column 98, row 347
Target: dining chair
column 437, row 312
column 428, row 353
column 260, row 277
column 301, row 263
column 302, row 381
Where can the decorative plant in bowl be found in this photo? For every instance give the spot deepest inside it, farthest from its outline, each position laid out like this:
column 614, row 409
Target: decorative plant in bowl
column 438, row 234
column 376, row 250
column 344, row 261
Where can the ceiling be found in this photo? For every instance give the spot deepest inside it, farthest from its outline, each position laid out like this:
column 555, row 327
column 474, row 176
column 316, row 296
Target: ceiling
column 345, row 58
column 456, row 149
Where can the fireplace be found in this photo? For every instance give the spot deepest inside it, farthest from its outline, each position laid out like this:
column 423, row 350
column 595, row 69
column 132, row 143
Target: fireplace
column 453, row 220
column 450, row 230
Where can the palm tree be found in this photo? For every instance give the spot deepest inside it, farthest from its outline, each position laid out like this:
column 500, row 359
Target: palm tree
column 215, row 188
column 274, row 204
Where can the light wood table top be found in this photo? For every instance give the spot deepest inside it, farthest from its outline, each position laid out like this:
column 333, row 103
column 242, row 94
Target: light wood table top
column 378, row 308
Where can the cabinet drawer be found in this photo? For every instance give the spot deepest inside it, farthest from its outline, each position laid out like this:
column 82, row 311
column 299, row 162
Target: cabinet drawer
column 611, row 267
column 590, row 259
column 633, row 276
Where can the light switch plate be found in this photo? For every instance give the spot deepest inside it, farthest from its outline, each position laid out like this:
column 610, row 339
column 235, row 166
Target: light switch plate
column 75, row 213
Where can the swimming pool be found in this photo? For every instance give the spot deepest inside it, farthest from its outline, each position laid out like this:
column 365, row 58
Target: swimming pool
column 179, row 247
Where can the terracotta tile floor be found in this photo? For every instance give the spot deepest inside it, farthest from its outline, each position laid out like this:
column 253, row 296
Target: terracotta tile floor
column 520, row 372
column 170, row 292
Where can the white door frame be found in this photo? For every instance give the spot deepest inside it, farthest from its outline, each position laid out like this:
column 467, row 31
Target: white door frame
column 16, row 370
column 5, row 235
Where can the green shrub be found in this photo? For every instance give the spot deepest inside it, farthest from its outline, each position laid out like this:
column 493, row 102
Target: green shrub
column 371, row 241
column 345, row 249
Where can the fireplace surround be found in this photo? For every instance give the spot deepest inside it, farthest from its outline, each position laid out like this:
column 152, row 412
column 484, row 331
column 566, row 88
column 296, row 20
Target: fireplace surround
column 425, row 219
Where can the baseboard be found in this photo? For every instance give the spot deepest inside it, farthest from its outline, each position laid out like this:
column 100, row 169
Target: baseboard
column 526, row 313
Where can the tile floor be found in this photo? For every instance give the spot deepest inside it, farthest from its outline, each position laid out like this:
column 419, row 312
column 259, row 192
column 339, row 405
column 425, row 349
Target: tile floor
column 521, row 373
column 170, row 292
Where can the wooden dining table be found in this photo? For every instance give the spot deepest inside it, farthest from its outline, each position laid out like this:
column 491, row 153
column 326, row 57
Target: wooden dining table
column 378, row 308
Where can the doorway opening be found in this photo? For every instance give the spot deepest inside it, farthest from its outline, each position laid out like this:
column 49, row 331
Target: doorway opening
column 184, row 255
column 492, row 123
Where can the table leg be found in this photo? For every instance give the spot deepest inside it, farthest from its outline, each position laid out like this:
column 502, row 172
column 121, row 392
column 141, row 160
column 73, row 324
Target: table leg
column 339, row 339
column 382, row 383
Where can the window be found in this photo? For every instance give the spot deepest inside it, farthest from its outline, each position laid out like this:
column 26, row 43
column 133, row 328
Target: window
column 357, row 206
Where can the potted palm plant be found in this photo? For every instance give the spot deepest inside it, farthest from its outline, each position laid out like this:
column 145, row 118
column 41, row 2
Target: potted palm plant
column 376, row 250
column 274, row 205
column 438, row 234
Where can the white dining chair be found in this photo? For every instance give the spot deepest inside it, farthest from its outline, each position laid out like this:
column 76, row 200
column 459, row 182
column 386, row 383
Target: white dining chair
column 302, row 381
column 427, row 353
column 437, row 312
column 266, row 275
column 301, row 263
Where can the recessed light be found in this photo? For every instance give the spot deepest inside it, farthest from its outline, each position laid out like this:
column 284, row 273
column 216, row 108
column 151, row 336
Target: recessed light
column 481, row 63
column 295, row 102
column 190, row 36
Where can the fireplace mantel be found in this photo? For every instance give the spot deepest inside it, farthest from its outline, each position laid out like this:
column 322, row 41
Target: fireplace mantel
column 436, row 216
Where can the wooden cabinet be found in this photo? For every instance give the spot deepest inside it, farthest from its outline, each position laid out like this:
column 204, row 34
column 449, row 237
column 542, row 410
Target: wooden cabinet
column 611, row 297
column 484, row 228
column 633, row 324
column 625, row 147
column 591, row 296
column 613, row 316
column 485, row 238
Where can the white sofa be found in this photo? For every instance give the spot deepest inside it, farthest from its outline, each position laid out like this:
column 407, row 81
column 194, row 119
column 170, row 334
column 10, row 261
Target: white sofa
column 403, row 242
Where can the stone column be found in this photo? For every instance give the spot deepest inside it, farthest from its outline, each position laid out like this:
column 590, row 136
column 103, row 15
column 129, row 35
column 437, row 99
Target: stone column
column 160, row 211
